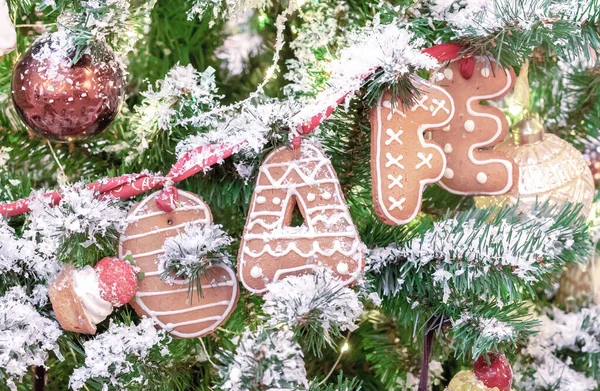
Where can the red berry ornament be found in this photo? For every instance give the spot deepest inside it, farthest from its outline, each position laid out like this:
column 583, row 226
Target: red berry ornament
column 118, row 281
column 498, row 373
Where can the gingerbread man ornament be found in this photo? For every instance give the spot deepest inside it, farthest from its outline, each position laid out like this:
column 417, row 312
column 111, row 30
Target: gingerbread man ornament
column 402, row 161
column 472, row 166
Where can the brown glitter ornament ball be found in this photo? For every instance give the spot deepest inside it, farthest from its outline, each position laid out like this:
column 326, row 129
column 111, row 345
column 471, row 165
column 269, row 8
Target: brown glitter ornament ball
column 65, row 101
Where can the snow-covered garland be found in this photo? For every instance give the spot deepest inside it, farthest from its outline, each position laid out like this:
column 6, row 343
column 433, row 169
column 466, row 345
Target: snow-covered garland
column 480, row 18
column 264, row 359
column 26, row 337
column 270, row 356
column 546, row 363
column 193, row 250
column 79, row 212
column 117, row 352
column 482, row 247
column 320, row 297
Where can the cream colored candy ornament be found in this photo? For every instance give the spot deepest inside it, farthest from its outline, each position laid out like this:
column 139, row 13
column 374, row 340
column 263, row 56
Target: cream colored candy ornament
column 550, row 169
column 8, row 35
column 271, row 249
column 182, row 314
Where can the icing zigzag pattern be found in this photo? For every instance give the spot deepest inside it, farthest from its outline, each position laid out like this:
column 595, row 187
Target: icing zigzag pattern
column 271, row 249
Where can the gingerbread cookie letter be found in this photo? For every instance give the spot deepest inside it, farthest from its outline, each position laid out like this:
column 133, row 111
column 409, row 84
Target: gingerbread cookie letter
column 402, row 162
column 271, row 249
column 473, row 168
column 174, row 305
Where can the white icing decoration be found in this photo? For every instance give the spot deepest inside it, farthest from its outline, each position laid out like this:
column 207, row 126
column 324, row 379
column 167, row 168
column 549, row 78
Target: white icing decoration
column 256, row 272
column 326, row 195
column 448, row 74
column 446, row 128
column 469, row 125
column 449, row 173
column 261, row 200
column 342, row 268
column 394, row 136
column 481, row 178
column 448, row 148
column 421, row 104
column 277, row 200
column 425, row 160
column 485, row 72
column 310, row 197
column 388, row 104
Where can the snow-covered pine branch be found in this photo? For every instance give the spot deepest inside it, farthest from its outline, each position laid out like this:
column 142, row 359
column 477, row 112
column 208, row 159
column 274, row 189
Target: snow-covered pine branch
column 117, row 353
column 318, row 305
column 188, row 254
column 182, row 94
column 22, row 257
column 26, row 337
column 464, row 254
column 80, row 219
column 477, row 18
column 546, row 362
column 115, row 22
column 227, row 9
column 263, row 359
column 388, row 47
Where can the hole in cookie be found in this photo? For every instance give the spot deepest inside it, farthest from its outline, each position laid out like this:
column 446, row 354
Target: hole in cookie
column 170, row 222
column 297, row 218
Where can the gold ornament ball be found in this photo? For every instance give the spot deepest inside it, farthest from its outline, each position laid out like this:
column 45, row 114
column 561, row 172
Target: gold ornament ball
column 466, row 381
column 550, row 169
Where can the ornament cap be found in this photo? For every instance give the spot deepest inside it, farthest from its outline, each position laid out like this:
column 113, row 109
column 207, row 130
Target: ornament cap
column 529, row 131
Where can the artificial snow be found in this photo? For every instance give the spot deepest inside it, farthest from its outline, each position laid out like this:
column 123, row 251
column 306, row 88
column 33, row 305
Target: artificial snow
column 318, row 295
column 542, row 365
column 116, row 352
column 26, row 337
column 191, row 246
column 265, row 359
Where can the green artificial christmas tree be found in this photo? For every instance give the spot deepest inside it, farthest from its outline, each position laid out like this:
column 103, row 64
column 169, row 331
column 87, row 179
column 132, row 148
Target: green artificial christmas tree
column 299, row 195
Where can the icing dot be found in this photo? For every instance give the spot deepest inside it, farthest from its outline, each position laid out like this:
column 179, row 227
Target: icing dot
column 448, row 148
column 261, row 200
column 485, row 72
column 326, row 195
column 310, row 197
column 256, row 272
column 481, row 177
column 449, row 173
column 448, row 73
column 277, row 200
column 169, row 326
column 342, row 268
column 469, row 125
column 446, row 129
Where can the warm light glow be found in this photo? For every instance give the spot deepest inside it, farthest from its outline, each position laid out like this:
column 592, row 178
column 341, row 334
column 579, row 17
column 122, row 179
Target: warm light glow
column 345, row 347
column 515, row 109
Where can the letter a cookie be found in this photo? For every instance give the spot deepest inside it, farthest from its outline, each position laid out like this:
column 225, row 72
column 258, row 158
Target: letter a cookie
column 271, row 249
column 472, row 166
column 402, row 161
